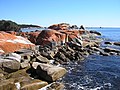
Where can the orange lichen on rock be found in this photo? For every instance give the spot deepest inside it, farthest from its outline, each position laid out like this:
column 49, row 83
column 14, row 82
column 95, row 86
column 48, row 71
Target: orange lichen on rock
column 62, row 26
column 10, row 43
column 32, row 36
column 46, row 37
column 56, row 37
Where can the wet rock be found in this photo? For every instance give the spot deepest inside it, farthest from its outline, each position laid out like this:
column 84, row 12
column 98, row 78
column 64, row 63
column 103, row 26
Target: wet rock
column 78, row 56
column 117, row 43
column 96, row 49
column 108, row 49
column 48, row 72
column 95, row 32
column 113, row 53
column 104, row 53
column 110, row 43
column 82, row 27
column 74, row 46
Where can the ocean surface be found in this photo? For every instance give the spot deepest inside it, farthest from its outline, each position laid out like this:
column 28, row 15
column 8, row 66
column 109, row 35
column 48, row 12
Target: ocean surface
column 96, row 72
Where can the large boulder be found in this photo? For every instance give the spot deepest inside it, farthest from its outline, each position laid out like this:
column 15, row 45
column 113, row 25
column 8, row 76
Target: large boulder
column 48, row 72
column 61, row 26
column 11, row 43
column 8, row 85
column 20, row 80
column 50, row 37
column 32, row 84
column 33, row 36
column 9, row 65
column 60, row 37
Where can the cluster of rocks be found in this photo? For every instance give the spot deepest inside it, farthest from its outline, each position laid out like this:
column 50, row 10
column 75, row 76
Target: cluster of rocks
column 32, row 66
column 64, row 26
column 25, row 70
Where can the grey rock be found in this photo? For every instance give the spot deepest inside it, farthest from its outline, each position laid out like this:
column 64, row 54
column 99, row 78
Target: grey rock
column 48, row 72
column 13, row 56
column 95, row 32
column 108, row 49
column 61, row 56
column 107, row 42
column 104, row 53
column 24, row 64
column 42, row 59
column 117, row 43
column 8, row 65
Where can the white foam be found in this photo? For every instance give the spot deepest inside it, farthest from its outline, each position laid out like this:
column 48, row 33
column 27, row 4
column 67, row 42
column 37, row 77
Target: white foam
column 97, row 88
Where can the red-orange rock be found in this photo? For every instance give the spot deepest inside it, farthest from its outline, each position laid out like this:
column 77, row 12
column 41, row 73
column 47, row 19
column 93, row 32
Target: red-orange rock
column 12, row 32
column 10, row 43
column 32, row 36
column 47, row 37
column 59, row 37
column 62, row 26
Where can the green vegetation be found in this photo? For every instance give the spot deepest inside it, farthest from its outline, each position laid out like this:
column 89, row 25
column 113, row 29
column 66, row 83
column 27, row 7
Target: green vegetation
column 27, row 26
column 9, row 26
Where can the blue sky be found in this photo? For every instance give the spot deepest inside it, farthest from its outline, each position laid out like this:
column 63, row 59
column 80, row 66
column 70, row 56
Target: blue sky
column 46, row 12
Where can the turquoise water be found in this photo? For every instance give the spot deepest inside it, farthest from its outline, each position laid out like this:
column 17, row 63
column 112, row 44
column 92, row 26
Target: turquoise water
column 96, row 72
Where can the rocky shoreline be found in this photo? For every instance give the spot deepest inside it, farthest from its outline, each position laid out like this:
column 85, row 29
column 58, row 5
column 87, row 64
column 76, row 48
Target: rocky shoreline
column 37, row 65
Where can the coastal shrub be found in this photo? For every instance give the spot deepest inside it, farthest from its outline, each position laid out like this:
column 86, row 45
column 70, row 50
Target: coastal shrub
column 7, row 25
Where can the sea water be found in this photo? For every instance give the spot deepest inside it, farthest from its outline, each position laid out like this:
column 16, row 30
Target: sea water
column 96, row 72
